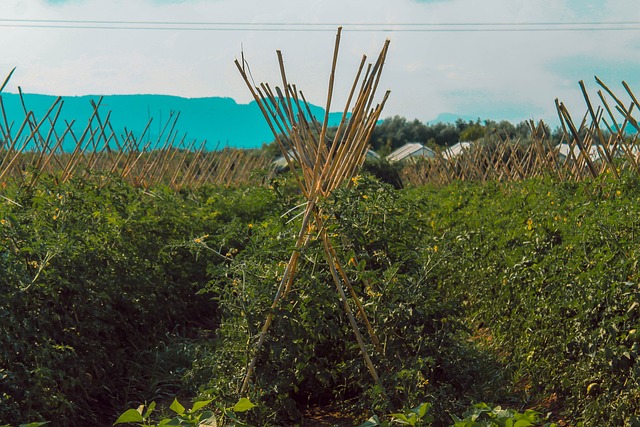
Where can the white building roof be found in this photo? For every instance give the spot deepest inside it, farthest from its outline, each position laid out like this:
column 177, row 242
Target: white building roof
column 564, row 150
column 412, row 149
column 456, row 149
column 372, row 154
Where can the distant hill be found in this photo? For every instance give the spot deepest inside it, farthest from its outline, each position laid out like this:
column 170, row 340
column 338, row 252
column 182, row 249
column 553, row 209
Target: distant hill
column 451, row 118
column 218, row 121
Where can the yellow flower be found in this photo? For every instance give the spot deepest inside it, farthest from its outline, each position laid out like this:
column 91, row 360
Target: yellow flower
column 435, row 248
column 200, row 239
column 423, row 381
column 369, row 291
column 529, row 224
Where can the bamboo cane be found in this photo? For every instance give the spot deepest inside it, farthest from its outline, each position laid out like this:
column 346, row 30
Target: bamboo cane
column 321, row 171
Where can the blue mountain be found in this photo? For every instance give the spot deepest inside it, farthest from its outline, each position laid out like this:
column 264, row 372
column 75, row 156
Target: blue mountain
column 220, row 122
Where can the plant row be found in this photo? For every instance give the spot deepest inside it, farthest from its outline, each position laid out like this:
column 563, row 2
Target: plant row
column 521, row 294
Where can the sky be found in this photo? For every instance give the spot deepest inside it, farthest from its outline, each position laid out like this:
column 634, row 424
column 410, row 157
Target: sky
column 489, row 59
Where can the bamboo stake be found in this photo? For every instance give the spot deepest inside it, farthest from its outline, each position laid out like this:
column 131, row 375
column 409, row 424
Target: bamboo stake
column 321, row 171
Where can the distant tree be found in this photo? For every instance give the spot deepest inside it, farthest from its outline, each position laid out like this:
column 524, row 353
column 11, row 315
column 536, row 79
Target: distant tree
column 448, row 135
column 523, row 129
column 394, row 132
column 272, row 149
column 461, row 125
column 472, row 132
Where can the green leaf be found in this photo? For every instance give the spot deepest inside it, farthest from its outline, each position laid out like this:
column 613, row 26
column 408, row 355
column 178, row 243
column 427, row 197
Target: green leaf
column 200, row 404
column 523, row 423
column 171, row 422
column 422, row 409
column 371, row 422
column 243, row 405
column 177, row 407
column 531, row 415
column 412, row 419
column 150, row 409
column 34, row 424
column 129, row 416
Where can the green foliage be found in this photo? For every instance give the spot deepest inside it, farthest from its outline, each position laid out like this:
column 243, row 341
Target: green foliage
column 198, row 415
column 414, row 417
column 99, row 285
column 479, row 415
column 482, row 415
column 310, row 355
column 548, row 273
column 394, row 132
column 472, row 133
column 524, row 294
column 385, row 172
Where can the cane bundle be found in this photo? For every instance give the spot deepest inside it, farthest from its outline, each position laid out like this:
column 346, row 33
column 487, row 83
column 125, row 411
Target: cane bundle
column 320, row 166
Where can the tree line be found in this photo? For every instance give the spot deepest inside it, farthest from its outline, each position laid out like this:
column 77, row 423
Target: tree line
column 394, row 132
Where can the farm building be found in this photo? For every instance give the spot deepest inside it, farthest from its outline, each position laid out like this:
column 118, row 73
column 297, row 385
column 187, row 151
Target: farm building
column 411, row 150
column 456, row 149
column 566, row 153
column 372, row 155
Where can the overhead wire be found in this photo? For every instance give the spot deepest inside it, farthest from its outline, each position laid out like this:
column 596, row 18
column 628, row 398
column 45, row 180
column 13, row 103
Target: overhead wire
column 416, row 27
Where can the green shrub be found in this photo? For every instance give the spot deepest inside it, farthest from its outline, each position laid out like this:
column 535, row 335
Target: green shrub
column 311, row 356
column 549, row 273
column 98, row 281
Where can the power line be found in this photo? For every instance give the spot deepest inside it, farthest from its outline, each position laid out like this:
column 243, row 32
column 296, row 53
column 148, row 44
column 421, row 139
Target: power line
column 311, row 24
column 322, row 27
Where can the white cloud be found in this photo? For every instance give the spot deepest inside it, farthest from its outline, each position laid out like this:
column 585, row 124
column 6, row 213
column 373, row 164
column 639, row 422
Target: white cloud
column 428, row 72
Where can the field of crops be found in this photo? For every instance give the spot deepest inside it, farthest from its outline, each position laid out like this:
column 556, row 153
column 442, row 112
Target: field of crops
column 138, row 277
column 522, row 294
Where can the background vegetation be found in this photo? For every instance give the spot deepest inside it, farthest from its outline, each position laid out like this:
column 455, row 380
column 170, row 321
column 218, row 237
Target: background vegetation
column 394, row 132
column 523, row 294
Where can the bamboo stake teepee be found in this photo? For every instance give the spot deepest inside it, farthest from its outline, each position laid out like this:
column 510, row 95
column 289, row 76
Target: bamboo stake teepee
column 319, row 168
